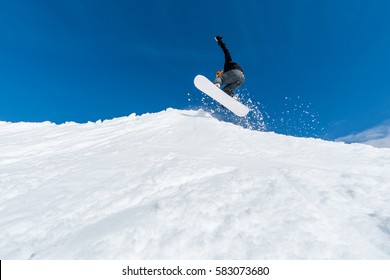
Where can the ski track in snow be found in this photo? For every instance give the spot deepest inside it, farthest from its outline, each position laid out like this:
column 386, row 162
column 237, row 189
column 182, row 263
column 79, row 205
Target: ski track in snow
column 183, row 185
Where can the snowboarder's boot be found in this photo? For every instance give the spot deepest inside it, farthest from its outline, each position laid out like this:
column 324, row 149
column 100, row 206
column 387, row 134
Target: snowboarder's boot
column 230, row 93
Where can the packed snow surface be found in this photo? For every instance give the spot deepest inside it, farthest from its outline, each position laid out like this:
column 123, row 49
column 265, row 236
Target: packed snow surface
column 184, row 185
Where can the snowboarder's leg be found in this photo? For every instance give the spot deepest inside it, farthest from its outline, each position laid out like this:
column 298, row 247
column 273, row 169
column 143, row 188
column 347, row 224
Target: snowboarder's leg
column 231, row 87
column 233, row 80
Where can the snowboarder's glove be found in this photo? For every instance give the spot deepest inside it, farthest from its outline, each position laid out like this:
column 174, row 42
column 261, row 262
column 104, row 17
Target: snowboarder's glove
column 218, row 39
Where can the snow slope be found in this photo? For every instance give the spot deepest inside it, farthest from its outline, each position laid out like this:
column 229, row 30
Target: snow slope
column 183, row 185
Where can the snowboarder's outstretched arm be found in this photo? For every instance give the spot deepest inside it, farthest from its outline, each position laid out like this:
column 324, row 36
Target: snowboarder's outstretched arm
column 228, row 57
column 229, row 63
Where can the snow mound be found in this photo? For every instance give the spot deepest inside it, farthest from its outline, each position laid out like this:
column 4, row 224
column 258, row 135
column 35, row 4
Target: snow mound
column 183, row 185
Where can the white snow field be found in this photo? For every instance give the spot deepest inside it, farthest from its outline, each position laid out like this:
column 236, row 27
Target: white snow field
column 184, row 185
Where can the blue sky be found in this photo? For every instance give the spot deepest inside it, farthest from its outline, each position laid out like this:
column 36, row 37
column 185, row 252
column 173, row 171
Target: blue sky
column 81, row 60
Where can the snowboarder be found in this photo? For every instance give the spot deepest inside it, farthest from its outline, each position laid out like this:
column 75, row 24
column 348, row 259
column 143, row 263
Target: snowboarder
column 232, row 76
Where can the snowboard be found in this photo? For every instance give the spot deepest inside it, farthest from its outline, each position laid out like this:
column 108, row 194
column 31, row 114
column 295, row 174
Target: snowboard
column 207, row 87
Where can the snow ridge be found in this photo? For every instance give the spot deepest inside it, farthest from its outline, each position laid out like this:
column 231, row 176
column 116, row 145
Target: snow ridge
column 183, row 185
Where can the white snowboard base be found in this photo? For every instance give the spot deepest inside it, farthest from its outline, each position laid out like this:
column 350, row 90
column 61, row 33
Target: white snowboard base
column 207, row 87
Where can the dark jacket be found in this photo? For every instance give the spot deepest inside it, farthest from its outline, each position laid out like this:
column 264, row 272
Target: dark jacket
column 229, row 63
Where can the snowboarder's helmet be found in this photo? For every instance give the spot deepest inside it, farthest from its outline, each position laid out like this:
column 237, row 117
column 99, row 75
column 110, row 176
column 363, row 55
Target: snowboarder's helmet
column 219, row 73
